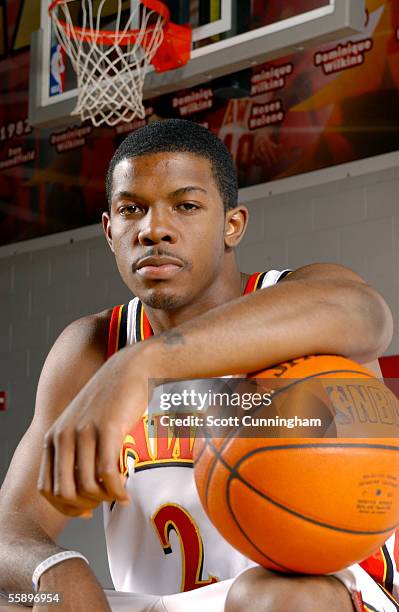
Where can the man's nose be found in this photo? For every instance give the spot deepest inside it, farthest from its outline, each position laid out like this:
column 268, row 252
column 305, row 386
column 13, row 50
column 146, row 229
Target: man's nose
column 157, row 226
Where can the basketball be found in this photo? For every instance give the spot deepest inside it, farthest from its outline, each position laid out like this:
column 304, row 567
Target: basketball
column 302, row 503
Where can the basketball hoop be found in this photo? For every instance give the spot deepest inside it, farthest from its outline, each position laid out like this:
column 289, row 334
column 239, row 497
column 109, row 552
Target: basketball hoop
column 111, row 64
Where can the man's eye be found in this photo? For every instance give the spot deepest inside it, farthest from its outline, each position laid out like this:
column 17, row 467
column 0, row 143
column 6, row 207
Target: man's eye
column 128, row 210
column 188, row 206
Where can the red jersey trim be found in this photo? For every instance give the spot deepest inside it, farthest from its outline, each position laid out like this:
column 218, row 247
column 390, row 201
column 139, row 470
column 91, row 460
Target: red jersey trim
column 253, row 282
column 114, row 328
column 145, row 327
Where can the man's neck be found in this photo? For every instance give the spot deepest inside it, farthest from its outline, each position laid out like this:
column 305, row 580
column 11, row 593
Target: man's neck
column 162, row 320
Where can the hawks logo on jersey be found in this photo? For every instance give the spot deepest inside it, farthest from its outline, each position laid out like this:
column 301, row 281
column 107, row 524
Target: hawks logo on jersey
column 159, row 448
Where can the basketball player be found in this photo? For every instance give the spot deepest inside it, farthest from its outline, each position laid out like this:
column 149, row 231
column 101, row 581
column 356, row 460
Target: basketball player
column 173, row 225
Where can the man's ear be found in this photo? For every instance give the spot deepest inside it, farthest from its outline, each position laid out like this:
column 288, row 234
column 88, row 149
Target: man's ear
column 235, row 225
column 106, row 221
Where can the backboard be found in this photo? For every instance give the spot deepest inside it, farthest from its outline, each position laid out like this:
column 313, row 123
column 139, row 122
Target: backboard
column 228, row 36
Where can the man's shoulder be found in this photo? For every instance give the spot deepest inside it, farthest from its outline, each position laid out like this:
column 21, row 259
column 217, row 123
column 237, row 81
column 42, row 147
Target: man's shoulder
column 77, row 354
column 96, row 322
column 88, row 334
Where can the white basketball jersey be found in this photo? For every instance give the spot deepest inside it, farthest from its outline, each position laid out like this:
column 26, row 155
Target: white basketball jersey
column 163, row 542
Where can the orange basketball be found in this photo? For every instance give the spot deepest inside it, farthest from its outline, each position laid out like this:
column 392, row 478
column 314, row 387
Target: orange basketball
column 308, row 504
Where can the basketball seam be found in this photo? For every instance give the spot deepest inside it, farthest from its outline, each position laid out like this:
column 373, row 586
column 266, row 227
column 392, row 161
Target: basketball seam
column 289, row 569
column 235, row 474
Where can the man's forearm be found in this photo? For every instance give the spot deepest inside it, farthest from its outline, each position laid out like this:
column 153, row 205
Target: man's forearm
column 297, row 317
column 22, row 547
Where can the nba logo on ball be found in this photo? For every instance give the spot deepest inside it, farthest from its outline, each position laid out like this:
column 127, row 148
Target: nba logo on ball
column 57, row 70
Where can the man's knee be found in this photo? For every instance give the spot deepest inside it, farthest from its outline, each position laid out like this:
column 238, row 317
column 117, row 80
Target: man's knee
column 258, row 590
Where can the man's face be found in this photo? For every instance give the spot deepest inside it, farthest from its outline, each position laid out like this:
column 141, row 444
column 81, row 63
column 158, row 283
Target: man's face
column 167, row 227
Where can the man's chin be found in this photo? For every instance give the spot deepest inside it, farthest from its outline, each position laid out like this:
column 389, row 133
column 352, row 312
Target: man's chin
column 161, row 301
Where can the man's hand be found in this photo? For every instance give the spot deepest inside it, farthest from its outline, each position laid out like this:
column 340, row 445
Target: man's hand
column 79, row 467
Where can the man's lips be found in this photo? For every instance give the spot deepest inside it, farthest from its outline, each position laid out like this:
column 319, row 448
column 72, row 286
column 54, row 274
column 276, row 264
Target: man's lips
column 159, row 268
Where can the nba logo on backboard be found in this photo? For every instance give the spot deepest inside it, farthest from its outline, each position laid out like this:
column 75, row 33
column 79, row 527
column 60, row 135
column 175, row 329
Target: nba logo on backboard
column 57, row 70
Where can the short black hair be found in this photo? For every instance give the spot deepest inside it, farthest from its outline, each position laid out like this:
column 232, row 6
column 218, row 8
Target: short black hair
column 180, row 136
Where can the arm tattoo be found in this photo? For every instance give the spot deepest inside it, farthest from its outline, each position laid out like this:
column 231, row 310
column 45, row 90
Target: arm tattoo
column 173, row 337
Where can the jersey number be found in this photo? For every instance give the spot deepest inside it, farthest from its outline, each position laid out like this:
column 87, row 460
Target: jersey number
column 173, row 517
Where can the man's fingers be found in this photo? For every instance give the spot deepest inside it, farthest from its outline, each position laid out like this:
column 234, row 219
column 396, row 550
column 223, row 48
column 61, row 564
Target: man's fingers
column 85, row 468
column 109, row 443
column 79, row 470
column 70, row 510
column 45, row 480
column 56, row 477
column 64, row 466
column 83, row 509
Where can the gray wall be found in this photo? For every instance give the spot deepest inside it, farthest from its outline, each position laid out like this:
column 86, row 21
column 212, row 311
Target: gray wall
column 353, row 221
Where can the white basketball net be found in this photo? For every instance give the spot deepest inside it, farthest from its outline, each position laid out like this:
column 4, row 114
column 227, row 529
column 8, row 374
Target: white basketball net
column 110, row 65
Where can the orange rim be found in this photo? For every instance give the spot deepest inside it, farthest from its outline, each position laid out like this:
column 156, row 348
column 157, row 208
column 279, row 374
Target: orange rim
column 108, row 37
